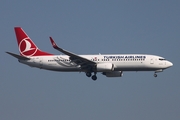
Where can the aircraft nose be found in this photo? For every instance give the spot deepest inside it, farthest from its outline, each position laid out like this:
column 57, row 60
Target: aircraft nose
column 170, row 64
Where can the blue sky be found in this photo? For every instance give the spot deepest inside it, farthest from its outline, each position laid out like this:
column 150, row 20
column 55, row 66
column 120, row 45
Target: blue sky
column 91, row 27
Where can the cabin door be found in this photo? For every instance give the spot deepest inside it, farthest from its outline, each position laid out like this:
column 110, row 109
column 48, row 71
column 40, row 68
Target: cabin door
column 151, row 61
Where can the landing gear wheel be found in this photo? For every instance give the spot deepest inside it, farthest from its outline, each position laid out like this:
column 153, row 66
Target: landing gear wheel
column 94, row 77
column 88, row 74
column 155, row 75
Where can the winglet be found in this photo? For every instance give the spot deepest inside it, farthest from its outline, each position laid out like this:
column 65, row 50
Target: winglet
column 53, row 43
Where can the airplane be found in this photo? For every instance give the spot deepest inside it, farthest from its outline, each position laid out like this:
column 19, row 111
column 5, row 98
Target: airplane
column 110, row 65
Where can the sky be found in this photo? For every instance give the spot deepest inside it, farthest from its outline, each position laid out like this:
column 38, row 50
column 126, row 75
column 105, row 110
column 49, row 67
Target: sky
column 91, row 27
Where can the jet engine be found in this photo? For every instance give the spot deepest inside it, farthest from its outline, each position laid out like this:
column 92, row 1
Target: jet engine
column 113, row 74
column 102, row 67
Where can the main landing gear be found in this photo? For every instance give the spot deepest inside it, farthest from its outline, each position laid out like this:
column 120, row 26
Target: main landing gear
column 89, row 74
column 94, row 77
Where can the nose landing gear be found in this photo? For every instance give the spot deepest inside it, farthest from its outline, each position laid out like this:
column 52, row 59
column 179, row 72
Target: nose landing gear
column 160, row 70
column 155, row 75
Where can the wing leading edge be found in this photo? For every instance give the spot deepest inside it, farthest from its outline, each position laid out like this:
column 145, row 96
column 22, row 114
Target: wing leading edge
column 73, row 57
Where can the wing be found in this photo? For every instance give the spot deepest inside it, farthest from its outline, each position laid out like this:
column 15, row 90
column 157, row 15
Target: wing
column 73, row 57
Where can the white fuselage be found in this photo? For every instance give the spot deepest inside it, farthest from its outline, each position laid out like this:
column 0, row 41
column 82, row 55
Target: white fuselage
column 121, row 62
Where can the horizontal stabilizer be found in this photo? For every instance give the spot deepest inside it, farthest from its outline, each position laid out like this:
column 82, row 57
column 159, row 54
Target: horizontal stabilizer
column 18, row 56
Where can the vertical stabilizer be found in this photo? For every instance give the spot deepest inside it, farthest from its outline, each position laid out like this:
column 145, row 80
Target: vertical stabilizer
column 26, row 46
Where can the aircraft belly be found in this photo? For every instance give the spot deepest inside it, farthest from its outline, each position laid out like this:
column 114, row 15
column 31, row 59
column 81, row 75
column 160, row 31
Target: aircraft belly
column 134, row 67
column 61, row 68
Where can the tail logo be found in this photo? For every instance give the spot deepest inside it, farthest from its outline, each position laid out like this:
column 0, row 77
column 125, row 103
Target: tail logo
column 27, row 48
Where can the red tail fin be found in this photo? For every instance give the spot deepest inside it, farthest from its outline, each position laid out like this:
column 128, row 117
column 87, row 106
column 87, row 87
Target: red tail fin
column 26, row 45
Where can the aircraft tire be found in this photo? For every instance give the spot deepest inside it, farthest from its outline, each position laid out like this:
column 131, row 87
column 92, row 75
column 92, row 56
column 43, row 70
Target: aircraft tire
column 155, row 75
column 94, row 77
column 88, row 74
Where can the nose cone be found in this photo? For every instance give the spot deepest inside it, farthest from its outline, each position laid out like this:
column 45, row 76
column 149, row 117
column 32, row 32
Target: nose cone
column 170, row 64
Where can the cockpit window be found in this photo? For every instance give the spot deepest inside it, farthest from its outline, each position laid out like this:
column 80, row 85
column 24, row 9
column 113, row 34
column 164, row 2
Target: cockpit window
column 162, row 59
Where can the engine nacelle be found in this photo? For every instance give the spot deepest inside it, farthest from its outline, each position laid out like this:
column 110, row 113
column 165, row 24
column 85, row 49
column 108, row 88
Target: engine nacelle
column 113, row 74
column 103, row 67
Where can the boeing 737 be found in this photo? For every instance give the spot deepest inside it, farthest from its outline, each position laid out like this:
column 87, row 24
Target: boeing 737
column 110, row 65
